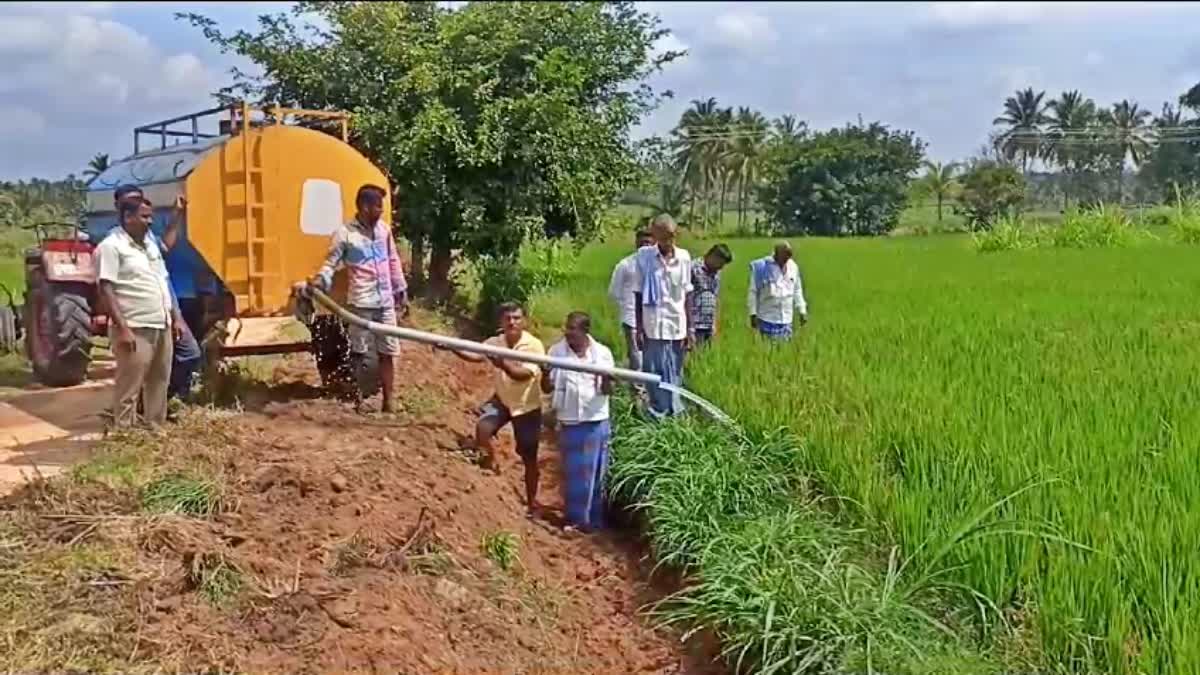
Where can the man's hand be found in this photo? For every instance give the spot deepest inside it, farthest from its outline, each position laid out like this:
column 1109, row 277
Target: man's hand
column 689, row 342
column 754, row 322
column 124, row 340
column 639, row 339
column 401, row 301
column 803, row 319
column 177, row 325
column 181, row 205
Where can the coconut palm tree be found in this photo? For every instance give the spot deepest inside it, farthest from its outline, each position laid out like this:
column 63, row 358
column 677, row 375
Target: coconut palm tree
column 748, row 152
column 1130, row 134
column 939, row 181
column 98, row 165
column 1070, row 135
column 692, row 150
column 787, row 127
column 1024, row 115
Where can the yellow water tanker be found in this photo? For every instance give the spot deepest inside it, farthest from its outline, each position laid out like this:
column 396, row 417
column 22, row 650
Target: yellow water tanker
column 265, row 189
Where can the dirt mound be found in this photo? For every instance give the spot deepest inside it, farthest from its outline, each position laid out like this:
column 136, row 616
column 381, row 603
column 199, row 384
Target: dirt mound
column 332, row 543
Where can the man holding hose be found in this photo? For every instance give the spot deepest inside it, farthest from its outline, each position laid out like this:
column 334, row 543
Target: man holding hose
column 377, row 288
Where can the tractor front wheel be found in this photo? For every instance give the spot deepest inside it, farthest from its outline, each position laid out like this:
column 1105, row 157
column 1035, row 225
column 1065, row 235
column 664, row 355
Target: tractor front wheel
column 58, row 335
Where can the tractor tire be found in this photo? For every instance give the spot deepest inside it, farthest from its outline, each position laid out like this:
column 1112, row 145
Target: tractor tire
column 339, row 372
column 58, row 331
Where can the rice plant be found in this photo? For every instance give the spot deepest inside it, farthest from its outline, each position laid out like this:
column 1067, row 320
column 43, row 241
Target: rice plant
column 931, row 385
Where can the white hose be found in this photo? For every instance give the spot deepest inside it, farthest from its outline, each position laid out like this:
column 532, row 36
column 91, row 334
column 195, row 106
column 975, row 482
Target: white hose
column 478, row 347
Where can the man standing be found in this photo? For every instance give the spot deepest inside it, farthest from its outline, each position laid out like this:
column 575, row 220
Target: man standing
column 145, row 322
column 621, row 290
column 775, row 288
column 662, row 300
column 706, row 286
column 377, row 288
column 580, row 403
column 517, row 399
column 186, row 350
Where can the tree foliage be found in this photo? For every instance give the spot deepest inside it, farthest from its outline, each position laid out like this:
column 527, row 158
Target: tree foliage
column 495, row 122
column 990, row 191
column 939, row 182
column 850, row 181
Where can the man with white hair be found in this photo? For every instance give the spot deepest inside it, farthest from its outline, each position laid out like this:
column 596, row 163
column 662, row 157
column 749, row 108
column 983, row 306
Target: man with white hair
column 775, row 291
column 663, row 300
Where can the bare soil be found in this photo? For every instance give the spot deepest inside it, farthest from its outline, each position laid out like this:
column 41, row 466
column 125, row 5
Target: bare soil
column 340, row 543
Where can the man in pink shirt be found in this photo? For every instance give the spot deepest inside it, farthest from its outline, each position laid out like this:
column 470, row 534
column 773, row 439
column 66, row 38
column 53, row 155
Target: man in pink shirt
column 367, row 249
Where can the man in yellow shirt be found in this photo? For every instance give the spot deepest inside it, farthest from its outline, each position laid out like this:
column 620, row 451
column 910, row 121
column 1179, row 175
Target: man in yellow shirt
column 517, row 399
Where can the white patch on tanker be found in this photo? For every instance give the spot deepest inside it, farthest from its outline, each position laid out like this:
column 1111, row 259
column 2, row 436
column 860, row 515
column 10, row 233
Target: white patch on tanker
column 320, row 207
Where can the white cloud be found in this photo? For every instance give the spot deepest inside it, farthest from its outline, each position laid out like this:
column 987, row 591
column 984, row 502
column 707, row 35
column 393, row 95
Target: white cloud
column 668, row 43
column 19, row 122
column 744, row 30
column 73, row 74
column 966, row 15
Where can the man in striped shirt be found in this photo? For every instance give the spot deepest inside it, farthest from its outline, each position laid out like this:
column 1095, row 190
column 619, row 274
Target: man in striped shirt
column 377, row 288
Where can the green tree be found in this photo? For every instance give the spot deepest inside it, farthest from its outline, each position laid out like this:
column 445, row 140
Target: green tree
column 96, row 166
column 696, row 152
column 1129, row 135
column 788, row 128
column 1024, row 115
column 495, row 122
column 990, row 190
column 1071, row 138
column 940, row 182
column 850, row 181
column 1172, row 166
column 746, row 155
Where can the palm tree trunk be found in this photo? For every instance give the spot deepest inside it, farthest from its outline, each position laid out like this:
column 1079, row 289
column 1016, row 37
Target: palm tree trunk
column 721, row 208
column 940, row 196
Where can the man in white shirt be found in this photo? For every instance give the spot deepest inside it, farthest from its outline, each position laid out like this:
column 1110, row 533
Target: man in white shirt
column 580, row 402
column 621, row 290
column 145, row 322
column 775, row 289
column 662, row 298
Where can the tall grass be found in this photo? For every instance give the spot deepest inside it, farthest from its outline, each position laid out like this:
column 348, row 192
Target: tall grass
column 932, row 382
column 783, row 584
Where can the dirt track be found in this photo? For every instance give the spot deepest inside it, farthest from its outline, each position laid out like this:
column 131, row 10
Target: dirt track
column 360, row 545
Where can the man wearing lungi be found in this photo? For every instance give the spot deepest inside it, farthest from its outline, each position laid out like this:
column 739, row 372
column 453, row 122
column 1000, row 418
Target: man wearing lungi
column 775, row 290
column 580, row 402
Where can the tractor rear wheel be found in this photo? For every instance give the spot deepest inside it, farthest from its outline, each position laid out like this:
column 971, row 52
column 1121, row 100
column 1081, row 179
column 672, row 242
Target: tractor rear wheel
column 339, row 374
column 58, row 334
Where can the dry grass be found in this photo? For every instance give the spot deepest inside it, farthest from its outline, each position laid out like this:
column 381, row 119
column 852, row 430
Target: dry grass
column 75, row 550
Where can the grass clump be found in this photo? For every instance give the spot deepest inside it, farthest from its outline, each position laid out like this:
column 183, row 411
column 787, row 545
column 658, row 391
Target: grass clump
column 502, row 548
column 1099, row 227
column 1009, row 233
column 774, row 573
column 181, row 494
column 215, row 578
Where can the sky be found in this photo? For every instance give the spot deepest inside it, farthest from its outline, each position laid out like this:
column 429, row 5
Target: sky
column 77, row 77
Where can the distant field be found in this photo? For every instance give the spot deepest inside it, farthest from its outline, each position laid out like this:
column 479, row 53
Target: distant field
column 934, row 381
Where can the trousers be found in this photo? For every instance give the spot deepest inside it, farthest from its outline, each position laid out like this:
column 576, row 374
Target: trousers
column 144, row 371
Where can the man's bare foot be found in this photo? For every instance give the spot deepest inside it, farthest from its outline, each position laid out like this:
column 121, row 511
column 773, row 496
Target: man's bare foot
column 533, row 511
column 488, row 462
column 390, row 407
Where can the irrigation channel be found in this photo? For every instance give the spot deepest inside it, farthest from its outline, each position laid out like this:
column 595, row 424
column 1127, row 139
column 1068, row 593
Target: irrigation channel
column 647, row 379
